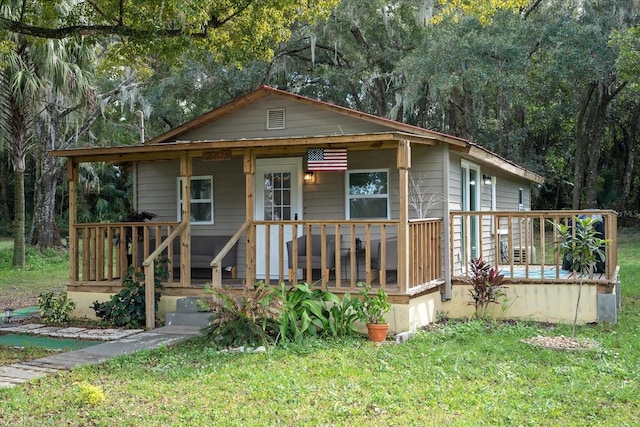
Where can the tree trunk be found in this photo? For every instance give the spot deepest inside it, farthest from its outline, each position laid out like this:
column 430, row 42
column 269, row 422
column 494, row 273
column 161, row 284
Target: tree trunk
column 45, row 233
column 19, row 219
column 582, row 147
column 589, row 134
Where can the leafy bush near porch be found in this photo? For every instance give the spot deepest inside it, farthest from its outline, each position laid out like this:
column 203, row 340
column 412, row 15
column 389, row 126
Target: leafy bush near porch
column 311, row 313
column 267, row 315
column 55, row 307
column 127, row 307
column 249, row 319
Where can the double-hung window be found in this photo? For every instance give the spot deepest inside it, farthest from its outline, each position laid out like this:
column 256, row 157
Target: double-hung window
column 367, row 194
column 201, row 199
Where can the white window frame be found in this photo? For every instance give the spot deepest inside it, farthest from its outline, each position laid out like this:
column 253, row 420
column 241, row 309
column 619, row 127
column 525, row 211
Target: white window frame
column 202, row 201
column 349, row 197
column 521, row 198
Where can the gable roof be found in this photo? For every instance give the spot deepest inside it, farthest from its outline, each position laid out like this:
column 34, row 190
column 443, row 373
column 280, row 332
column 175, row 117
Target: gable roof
column 263, row 92
column 169, row 144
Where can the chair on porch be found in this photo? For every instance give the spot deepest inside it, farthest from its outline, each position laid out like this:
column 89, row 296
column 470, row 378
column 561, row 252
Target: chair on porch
column 316, row 255
column 390, row 259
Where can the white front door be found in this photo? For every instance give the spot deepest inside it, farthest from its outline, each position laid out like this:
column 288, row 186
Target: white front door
column 278, row 189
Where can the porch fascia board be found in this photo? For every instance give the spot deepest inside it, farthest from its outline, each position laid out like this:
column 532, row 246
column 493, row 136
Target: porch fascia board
column 173, row 150
column 485, row 156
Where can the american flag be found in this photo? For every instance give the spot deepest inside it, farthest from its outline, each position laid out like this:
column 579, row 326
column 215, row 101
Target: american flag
column 327, row 159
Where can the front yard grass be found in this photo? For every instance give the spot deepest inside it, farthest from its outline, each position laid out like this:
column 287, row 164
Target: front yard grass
column 48, row 272
column 458, row 374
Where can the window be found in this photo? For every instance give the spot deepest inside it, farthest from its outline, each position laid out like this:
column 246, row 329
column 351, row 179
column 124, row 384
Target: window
column 201, row 199
column 521, row 199
column 367, row 194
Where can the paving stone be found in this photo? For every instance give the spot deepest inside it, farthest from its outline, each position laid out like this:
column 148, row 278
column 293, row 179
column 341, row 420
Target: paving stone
column 27, row 374
column 30, row 327
column 45, row 330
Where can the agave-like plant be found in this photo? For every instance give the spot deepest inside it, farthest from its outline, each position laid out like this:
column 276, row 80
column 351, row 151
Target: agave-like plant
column 248, row 319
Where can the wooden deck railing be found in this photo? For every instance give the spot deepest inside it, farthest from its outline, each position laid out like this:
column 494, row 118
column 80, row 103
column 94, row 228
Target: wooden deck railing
column 345, row 247
column 522, row 244
column 425, row 251
column 349, row 252
column 216, row 264
column 103, row 251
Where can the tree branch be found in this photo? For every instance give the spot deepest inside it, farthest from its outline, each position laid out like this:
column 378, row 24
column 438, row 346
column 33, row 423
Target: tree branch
column 85, row 30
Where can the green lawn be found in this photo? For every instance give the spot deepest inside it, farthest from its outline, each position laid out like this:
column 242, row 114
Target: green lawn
column 460, row 374
column 48, row 272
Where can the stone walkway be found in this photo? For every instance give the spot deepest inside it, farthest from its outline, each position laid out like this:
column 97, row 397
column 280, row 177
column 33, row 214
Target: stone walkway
column 117, row 342
column 74, row 333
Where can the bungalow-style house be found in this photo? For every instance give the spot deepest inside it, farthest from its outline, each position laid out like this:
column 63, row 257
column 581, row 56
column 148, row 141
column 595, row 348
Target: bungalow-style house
column 277, row 187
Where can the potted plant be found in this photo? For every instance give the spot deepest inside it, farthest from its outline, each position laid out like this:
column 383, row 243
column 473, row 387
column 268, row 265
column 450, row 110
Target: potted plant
column 371, row 309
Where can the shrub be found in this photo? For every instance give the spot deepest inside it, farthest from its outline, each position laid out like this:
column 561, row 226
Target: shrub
column 486, row 286
column 305, row 313
column 249, row 319
column 344, row 315
column 55, row 307
column 127, row 307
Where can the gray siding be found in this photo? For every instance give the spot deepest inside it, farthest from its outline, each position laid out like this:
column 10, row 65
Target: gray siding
column 301, row 120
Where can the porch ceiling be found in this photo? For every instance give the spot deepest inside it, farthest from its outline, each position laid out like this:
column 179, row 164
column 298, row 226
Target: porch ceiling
column 173, row 150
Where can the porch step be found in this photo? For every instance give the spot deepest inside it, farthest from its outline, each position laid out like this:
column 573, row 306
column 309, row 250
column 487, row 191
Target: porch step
column 187, row 305
column 187, row 314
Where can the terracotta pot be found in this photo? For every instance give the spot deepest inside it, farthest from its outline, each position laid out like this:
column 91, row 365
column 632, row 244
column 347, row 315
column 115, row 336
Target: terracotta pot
column 378, row 332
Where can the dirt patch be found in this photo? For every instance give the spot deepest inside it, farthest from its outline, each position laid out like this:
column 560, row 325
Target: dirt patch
column 17, row 302
column 562, row 343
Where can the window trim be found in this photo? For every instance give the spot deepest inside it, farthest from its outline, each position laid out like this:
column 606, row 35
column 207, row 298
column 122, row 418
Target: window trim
column 348, row 196
column 202, row 201
column 520, row 198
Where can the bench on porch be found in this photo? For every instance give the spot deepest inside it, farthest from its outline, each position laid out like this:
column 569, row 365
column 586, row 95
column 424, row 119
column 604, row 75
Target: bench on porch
column 203, row 250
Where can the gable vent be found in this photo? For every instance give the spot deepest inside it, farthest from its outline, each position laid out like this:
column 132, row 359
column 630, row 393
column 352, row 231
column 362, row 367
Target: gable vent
column 275, row 119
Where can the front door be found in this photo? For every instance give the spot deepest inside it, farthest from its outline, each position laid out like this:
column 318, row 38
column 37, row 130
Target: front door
column 278, row 198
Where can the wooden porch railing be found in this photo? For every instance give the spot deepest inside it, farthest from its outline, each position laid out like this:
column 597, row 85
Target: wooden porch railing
column 216, row 264
column 149, row 274
column 351, row 250
column 425, row 251
column 522, row 244
column 103, row 251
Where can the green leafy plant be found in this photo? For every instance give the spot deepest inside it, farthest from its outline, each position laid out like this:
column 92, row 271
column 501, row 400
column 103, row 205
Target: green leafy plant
column 582, row 247
column 127, row 307
column 249, row 319
column 305, row 313
column 371, row 308
column 55, row 307
column 486, row 286
column 344, row 315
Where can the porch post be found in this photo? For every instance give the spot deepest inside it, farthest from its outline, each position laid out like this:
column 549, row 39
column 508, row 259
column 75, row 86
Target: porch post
column 72, row 178
column 185, row 236
column 249, row 168
column 404, row 164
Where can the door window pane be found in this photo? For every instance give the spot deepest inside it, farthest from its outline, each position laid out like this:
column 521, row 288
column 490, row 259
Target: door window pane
column 277, row 196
